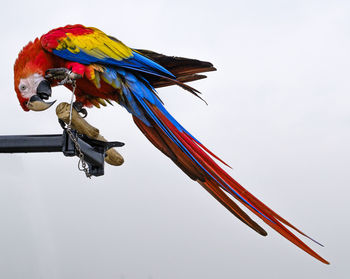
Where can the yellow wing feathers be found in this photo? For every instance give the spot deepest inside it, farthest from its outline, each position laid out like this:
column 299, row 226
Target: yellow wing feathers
column 96, row 44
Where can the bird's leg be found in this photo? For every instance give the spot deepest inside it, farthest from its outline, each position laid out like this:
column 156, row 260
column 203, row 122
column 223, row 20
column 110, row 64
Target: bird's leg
column 78, row 106
column 65, row 75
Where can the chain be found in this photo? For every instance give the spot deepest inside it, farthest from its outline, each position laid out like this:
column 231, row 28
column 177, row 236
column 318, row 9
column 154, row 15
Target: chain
column 82, row 165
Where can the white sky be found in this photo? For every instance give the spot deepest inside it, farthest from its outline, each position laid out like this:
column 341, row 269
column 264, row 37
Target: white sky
column 278, row 113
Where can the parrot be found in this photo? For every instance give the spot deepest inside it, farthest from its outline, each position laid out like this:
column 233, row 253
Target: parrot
column 101, row 69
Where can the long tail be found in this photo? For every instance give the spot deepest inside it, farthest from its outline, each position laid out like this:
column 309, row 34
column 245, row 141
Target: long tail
column 196, row 161
column 138, row 96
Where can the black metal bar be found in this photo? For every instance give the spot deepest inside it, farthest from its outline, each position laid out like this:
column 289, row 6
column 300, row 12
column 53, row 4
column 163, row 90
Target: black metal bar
column 94, row 151
column 31, row 143
column 94, row 156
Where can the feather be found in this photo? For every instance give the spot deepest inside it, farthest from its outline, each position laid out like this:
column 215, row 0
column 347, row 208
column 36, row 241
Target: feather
column 94, row 102
column 195, row 160
column 102, row 102
column 88, row 45
column 185, row 69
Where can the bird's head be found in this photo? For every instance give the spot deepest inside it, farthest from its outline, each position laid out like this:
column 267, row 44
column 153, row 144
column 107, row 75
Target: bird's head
column 29, row 76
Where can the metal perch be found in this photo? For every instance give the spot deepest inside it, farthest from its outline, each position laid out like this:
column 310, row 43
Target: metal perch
column 83, row 141
column 83, row 127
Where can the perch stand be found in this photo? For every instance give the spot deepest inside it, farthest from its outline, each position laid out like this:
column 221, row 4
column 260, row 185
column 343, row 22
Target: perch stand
column 83, row 127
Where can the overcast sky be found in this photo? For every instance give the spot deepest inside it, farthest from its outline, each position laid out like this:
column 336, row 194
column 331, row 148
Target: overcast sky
column 278, row 114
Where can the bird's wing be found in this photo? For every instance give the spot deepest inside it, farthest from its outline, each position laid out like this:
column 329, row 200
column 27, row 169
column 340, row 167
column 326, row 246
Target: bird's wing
column 149, row 114
column 185, row 69
column 87, row 45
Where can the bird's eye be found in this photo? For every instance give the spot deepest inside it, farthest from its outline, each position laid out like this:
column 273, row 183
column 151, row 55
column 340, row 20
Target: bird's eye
column 22, row 87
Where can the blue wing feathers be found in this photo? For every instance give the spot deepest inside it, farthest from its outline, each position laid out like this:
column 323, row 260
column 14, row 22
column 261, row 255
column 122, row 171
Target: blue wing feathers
column 144, row 94
column 145, row 61
column 137, row 62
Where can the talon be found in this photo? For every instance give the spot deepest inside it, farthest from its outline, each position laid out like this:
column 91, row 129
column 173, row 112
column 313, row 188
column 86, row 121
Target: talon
column 78, row 106
column 65, row 75
column 83, row 112
column 56, row 73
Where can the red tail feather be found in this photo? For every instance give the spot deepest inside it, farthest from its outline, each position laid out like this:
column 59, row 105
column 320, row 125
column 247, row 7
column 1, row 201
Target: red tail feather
column 214, row 179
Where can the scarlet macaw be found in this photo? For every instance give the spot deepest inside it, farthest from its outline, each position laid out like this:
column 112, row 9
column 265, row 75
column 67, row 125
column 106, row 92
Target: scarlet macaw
column 105, row 69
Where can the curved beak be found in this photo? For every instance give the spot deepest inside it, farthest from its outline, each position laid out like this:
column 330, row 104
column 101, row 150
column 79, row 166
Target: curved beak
column 43, row 91
column 35, row 103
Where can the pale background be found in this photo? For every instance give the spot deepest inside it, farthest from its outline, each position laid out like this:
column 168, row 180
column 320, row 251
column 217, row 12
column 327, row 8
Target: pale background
column 278, row 113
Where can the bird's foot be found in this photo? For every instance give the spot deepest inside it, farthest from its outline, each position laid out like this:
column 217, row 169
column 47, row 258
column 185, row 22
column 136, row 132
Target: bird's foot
column 65, row 75
column 79, row 107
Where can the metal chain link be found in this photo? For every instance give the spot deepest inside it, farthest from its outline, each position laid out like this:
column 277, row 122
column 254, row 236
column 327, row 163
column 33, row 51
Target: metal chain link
column 82, row 165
